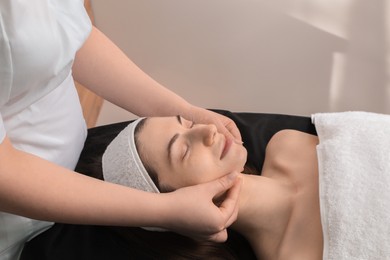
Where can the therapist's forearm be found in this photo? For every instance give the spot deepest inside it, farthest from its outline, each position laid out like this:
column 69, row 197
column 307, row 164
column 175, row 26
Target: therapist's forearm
column 102, row 67
column 35, row 188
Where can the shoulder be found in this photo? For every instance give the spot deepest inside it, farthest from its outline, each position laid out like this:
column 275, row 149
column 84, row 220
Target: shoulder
column 288, row 146
column 289, row 138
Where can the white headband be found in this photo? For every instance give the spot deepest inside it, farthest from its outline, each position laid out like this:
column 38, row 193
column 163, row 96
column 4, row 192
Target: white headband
column 122, row 164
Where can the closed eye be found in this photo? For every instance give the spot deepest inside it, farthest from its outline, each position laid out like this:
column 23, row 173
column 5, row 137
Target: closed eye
column 173, row 140
column 187, row 150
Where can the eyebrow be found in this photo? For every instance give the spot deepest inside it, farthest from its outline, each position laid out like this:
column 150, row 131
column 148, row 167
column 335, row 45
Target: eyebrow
column 172, row 141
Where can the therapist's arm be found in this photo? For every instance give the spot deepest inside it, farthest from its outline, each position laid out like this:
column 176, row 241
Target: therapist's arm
column 35, row 188
column 103, row 68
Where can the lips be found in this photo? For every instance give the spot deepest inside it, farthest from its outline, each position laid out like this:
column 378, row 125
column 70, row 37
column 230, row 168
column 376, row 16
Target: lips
column 227, row 144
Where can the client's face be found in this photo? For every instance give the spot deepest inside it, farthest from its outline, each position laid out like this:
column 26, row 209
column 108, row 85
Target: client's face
column 184, row 154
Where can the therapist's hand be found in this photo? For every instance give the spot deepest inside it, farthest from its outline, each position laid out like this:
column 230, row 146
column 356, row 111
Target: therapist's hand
column 194, row 213
column 224, row 124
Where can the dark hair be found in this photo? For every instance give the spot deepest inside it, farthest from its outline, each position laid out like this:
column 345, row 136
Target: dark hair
column 172, row 246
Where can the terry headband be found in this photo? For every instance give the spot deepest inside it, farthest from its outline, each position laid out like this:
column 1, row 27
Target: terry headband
column 122, row 164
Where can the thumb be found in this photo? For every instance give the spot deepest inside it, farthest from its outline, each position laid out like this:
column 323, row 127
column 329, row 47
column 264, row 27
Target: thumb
column 229, row 206
column 224, row 183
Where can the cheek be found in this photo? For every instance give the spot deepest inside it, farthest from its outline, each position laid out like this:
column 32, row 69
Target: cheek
column 195, row 171
column 208, row 169
column 204, row 167
column 201, row 170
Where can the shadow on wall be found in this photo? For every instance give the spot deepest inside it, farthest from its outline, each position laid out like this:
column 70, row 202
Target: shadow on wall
column 365, row 79
column 253, row 55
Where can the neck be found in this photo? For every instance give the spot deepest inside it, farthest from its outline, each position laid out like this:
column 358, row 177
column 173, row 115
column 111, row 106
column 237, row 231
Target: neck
column 264, row 211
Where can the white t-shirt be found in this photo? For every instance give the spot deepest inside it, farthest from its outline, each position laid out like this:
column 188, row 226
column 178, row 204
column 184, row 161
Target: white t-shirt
column 39, row 107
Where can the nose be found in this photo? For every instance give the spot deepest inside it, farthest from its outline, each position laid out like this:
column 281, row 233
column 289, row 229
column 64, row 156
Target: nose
column 204, row 133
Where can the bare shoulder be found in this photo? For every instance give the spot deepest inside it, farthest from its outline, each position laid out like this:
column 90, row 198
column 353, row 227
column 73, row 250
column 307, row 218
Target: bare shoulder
column 290, row 138
column 290, row 145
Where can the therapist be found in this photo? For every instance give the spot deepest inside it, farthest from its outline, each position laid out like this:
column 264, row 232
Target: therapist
column 44, row 46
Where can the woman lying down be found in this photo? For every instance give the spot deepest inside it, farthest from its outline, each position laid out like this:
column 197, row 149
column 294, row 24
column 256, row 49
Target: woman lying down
column 279, row 211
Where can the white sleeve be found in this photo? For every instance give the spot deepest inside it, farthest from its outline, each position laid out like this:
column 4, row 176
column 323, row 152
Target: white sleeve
column 2, row 130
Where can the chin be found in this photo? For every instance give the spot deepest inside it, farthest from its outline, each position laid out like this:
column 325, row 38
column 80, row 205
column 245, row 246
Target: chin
column 237, row 158
column 242, row 155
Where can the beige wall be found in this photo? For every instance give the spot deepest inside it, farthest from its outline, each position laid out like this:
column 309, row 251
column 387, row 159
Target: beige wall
column 275, row 56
